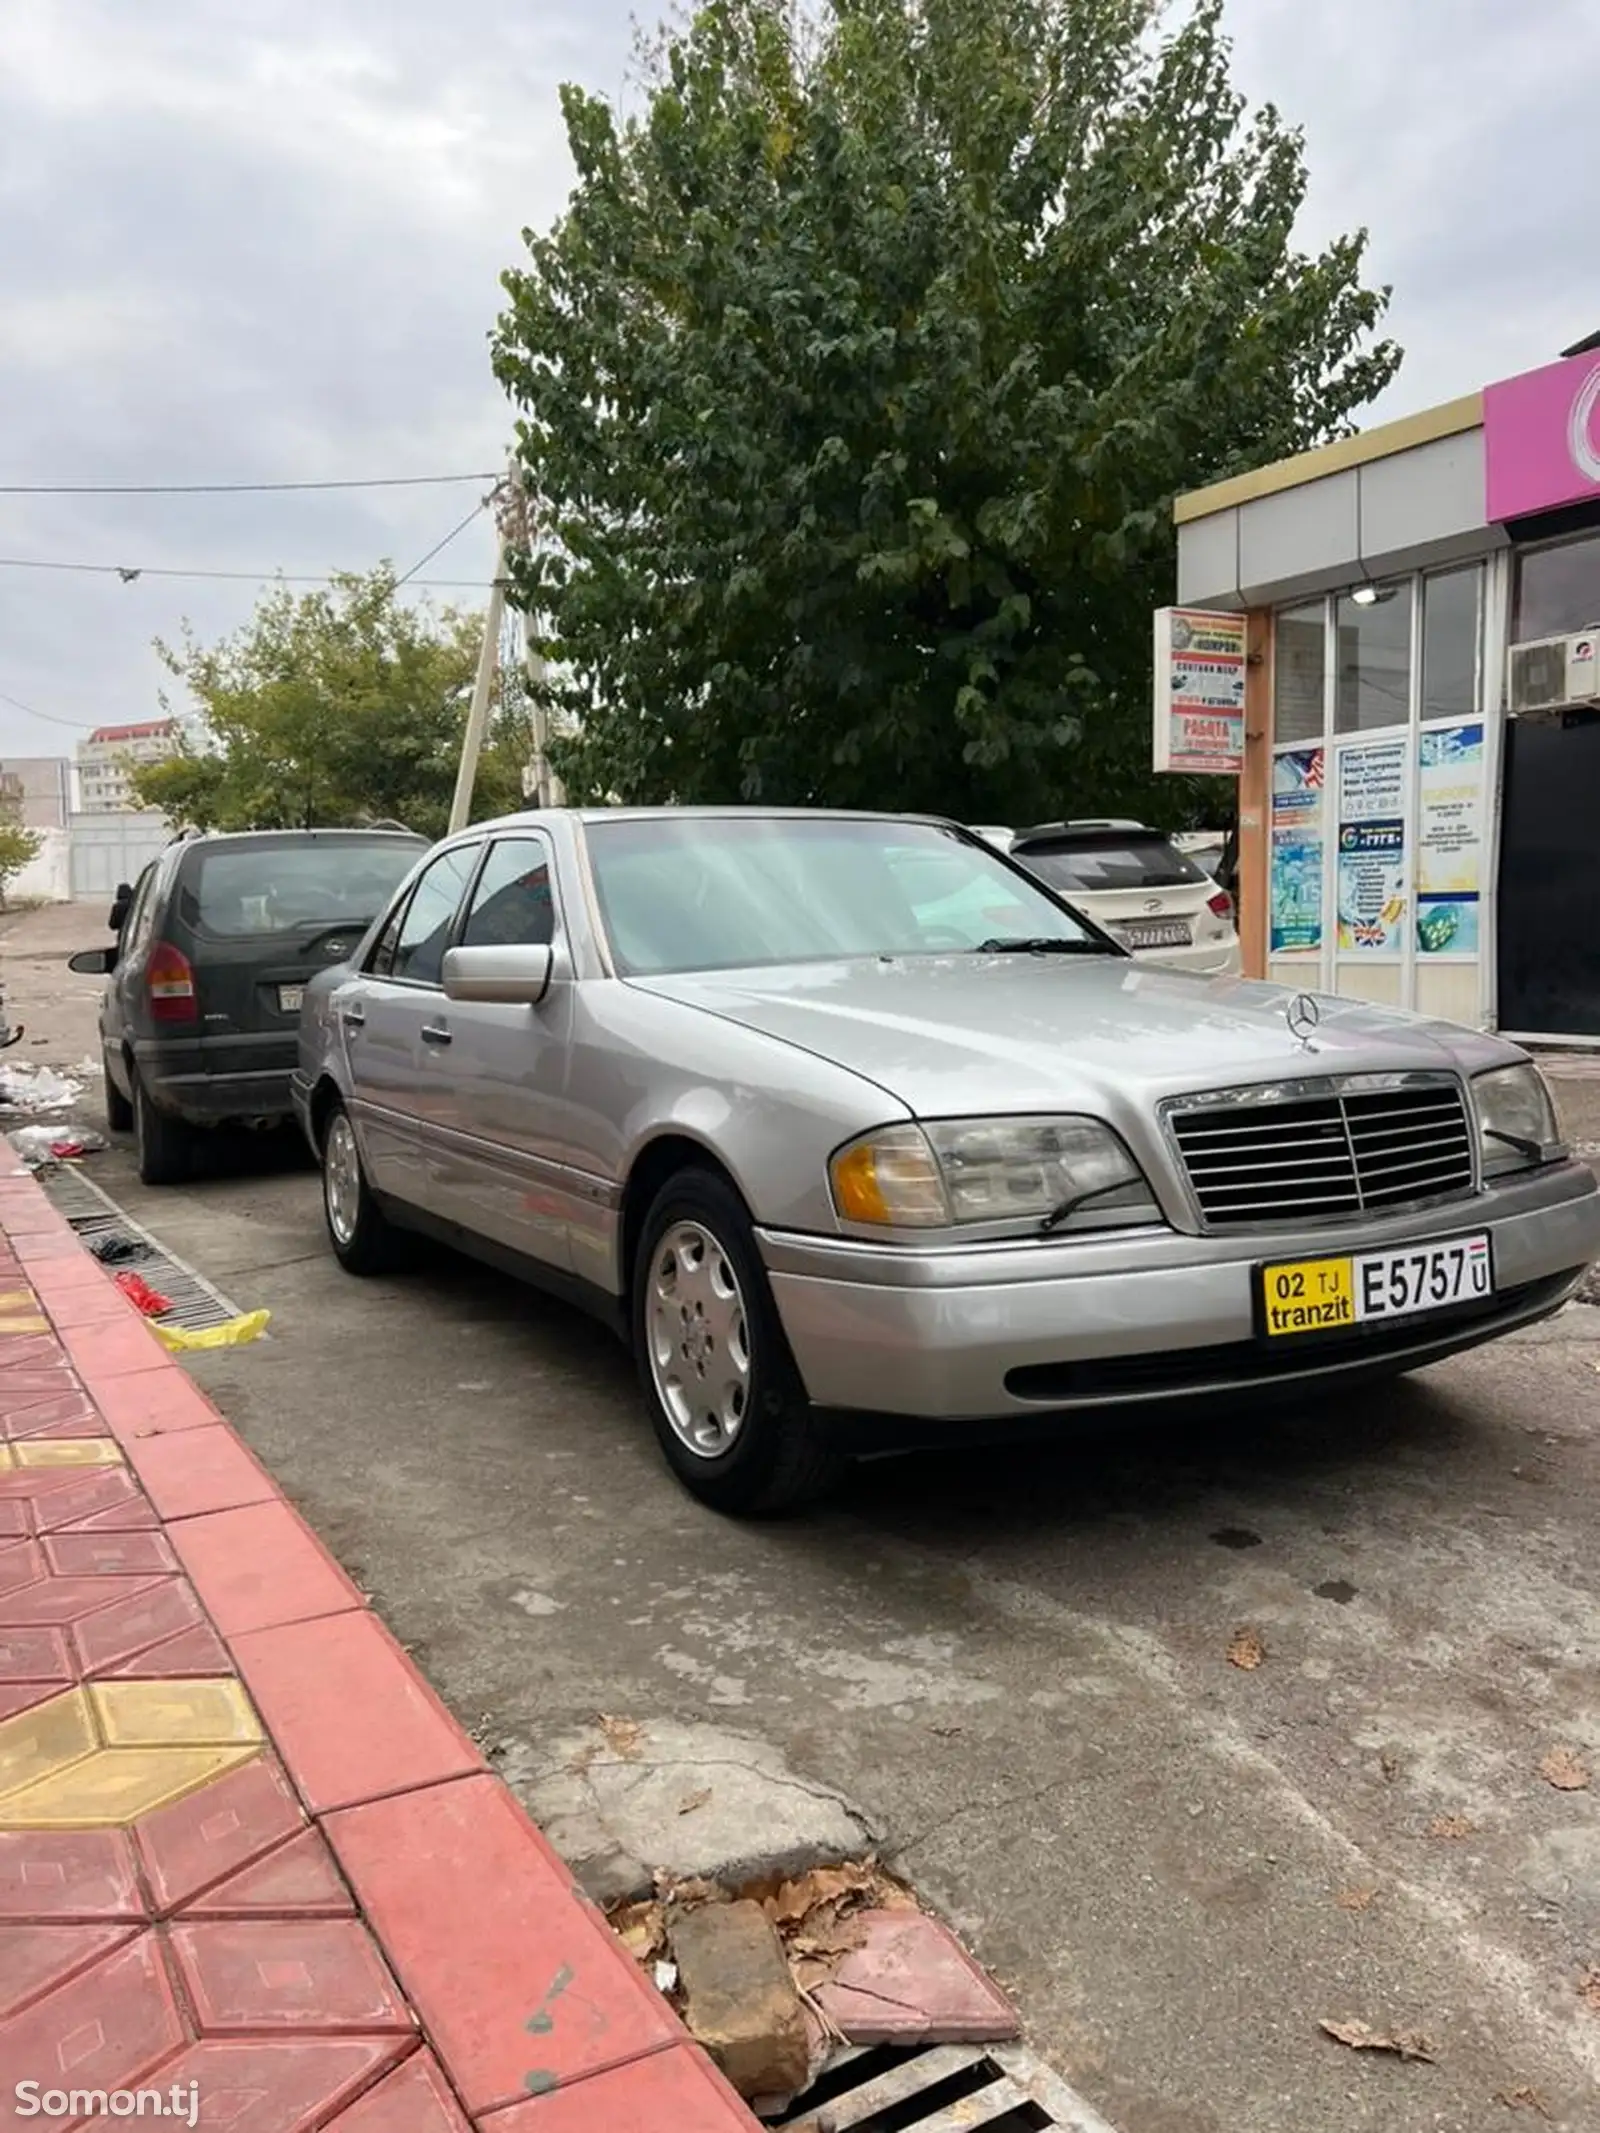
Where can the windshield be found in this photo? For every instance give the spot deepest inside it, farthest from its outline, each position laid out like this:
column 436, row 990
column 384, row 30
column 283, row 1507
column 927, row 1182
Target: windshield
column 244, row 889
column 697, row 892
column 1118, row 862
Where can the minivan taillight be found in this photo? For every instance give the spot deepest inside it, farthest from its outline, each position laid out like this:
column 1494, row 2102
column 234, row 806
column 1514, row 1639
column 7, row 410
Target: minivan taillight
column 1221, row 904
column 169, row 980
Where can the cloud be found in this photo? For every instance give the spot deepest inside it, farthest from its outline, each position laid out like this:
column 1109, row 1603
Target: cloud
column 265, row 244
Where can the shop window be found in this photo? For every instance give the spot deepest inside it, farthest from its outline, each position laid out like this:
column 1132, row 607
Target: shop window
column 1299, row 662
column 1373, row 672
column 1451, row 637
column 1558, row 589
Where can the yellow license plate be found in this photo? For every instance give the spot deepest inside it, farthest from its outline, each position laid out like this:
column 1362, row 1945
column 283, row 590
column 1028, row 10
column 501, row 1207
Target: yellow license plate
column 1308, row 1296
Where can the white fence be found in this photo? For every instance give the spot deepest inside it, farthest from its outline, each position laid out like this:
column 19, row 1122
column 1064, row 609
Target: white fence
column 113, row 848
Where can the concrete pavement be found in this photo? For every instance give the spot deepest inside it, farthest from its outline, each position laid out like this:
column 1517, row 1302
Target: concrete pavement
column 1019, row 1666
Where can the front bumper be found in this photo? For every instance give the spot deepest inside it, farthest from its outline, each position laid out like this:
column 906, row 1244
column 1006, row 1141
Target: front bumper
column 985, row 1332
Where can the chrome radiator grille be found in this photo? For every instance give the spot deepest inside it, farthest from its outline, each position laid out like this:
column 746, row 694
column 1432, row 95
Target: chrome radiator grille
column 1318, row 1156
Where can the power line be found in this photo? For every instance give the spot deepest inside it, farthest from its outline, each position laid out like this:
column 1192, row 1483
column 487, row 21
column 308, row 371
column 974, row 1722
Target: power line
column 232, row 488
column 78, row 725
column 128, row 573
column 423, row 561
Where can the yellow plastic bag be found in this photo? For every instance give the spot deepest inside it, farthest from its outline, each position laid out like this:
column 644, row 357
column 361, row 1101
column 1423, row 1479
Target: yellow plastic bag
column 176, row 1339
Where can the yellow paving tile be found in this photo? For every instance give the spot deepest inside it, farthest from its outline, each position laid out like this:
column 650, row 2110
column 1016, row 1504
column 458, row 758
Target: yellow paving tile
column 39, row 1743
column 13, row 1300
column 34, row 1324
column 5, row 1457
column 115, row 1786
column 212, row 1713
column 68, row 1451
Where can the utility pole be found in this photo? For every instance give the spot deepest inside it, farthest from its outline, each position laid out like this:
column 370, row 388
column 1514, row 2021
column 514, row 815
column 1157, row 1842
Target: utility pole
column 508, row 518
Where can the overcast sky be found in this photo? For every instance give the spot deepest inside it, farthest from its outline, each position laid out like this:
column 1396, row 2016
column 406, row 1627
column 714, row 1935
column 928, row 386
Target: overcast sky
column 237, row 252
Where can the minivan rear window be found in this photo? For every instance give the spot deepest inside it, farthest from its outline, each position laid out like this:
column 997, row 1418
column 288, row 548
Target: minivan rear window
column 241, row 890
column 1120, row 863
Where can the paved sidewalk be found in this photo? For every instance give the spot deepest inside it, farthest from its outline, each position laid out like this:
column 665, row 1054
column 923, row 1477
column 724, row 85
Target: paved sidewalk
column 242, row 1844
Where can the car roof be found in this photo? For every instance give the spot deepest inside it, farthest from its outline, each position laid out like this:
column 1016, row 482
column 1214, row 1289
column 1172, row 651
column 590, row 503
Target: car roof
column 1088, row 832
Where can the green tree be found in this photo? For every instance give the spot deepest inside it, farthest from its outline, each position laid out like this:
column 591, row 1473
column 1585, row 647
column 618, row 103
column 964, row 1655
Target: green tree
column 858, row 377
column 333, row 707
column 18, row 844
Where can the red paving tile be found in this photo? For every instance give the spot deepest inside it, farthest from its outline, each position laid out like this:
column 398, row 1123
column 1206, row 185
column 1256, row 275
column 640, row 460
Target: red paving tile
column 310, row 1975
column 548, row 1997
column 35, row 1959
column 415, row 2098
column 133, row 1515
column 351, row 1715
column 122, row 1348
column 76, row 1309
column 209, row 1835
column 105, row 1554
column 35, row 1655
column 58, row 1410
column 106, row 1488
column 259, row 1567
column 910, row 1982
column 675, row 2091
column 18, row 1696
column 67, row 1599
column 14, row 1519
column 194, row 1471
column 192, row 1651
column 278, row 2085
column 118, row 1632
column 32, row 1482
column 105, row 2029
column 154, row 1405
column 299, row 1879
column 22, row 1563
column 59, row 1874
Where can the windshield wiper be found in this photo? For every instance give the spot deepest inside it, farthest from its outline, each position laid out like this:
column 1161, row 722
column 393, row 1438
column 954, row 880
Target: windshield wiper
column 1058, row 1215
column 1039, row 944
column 1531, row 1149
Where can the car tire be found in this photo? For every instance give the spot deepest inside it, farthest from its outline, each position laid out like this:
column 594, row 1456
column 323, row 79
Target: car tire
column 364, row 1240
column 167, row 1146
column 724, row 1396
column 119, row 1108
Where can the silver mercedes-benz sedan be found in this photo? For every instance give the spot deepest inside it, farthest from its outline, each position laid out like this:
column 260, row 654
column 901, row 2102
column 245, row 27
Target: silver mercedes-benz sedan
column 856, row 1132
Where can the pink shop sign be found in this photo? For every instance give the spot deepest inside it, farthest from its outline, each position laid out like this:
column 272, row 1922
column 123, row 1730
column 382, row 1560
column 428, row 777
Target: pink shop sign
column 1541, row 436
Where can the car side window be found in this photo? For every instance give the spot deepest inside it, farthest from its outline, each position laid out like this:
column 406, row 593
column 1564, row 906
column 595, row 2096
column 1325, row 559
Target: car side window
column 381, row 961
column 513, row 905
column 430, row 916
column 137, row 926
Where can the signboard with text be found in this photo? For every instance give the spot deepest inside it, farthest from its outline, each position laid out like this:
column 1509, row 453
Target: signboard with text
column 1541, row 438
column 1199, row 691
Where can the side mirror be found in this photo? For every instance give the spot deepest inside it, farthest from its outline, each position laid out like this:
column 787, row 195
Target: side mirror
column 509, row 977
column 117, row 917
column 93, row 962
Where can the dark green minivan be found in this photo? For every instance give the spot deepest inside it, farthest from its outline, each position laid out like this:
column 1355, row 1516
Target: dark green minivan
column 214, row 945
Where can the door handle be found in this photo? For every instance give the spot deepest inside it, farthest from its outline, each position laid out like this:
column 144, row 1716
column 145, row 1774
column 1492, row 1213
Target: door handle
column 353, row 1017
column 435, row 1033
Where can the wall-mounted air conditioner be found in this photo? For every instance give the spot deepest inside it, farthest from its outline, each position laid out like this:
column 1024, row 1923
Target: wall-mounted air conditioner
column 1554, row 674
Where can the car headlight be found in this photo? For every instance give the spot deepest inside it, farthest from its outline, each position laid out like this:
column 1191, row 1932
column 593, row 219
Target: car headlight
column 1065, row 1173
column 1516, row 1119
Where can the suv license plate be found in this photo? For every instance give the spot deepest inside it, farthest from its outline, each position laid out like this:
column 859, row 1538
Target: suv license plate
column 1173, row 933
column 1319, row 1295
column 289, row 999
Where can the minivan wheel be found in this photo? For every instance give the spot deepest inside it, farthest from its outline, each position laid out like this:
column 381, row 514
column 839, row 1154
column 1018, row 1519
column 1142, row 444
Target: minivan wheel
column 119, row 1111
column 167, row 1146
column 724, row 1396
column 364, row 1240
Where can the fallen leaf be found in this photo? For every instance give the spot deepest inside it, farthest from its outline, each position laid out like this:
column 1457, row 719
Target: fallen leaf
column 1562, row 1768
column 623, row 1735
column 1403, row 2043
column 1452, row 1827
column 1354, row 1899
column 641, row 1928
column 1246, row 1650
column 805, row 1893
column 1390, row 1766
column 1589, row 1987
column 693, row 1800
column 1524, row 2099
column 689, row 1894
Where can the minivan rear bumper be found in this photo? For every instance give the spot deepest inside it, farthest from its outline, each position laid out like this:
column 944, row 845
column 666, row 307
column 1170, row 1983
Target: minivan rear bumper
column 209, row 1080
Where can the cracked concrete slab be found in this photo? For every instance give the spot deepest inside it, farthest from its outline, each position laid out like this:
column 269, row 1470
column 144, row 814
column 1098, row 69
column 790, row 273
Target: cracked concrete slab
column 683, row 1800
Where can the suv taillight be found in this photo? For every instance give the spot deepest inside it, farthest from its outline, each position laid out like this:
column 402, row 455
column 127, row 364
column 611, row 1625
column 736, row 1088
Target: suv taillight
column 169, row 981
column 1221, row 904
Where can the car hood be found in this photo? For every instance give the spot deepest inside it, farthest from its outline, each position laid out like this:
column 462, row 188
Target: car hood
column 956, row 1035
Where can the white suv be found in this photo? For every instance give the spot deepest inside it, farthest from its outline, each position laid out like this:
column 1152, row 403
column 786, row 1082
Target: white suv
column 1137, row 884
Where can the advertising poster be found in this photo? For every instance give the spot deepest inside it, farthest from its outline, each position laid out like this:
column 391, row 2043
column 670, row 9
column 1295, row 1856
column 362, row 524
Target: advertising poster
column 1297, row 785
column 1372, row 847
column 1449, row 839
column 1199, row 690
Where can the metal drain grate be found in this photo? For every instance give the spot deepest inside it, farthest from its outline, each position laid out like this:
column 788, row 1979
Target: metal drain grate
column 948, row 2088
column 94, row 1214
